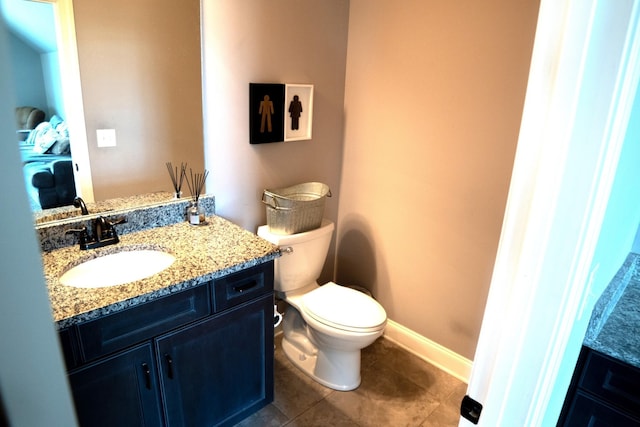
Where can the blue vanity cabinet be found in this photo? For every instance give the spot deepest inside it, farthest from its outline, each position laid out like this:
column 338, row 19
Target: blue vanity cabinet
column 603, row 392
column 199, row 357
column 120, row 390
column 216, row 371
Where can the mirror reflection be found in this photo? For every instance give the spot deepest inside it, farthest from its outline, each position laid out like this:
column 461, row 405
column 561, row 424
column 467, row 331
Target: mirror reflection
column 79, row 208
column 139, row 71
column 41, row 132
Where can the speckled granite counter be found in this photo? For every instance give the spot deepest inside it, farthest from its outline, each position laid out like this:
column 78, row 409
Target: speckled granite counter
column 105, row 206
column 141, row 212
column 202, row 253
column 614, row 328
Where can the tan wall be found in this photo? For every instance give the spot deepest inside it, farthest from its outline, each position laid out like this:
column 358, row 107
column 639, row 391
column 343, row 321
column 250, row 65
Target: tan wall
column 276, row 41
column 429, row 122
column 141, row 75
column 433, row 101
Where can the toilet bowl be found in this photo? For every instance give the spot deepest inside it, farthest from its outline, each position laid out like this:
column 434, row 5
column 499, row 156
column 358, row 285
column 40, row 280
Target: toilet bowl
column 325, row 326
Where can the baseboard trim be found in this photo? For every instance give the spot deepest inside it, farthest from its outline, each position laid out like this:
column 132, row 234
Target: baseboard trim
column 432, row 352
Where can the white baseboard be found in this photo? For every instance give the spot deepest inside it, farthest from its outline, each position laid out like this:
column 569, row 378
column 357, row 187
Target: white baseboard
column 432, row 352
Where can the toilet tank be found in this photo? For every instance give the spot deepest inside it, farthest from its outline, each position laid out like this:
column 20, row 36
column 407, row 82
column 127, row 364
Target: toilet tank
column 303, row 255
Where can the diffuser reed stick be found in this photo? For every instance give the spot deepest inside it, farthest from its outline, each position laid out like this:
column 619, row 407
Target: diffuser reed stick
column 177, row 178
column 196, row 182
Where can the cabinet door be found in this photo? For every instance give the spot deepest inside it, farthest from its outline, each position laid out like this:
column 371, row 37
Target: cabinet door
column 218, row 370
column 121, row 390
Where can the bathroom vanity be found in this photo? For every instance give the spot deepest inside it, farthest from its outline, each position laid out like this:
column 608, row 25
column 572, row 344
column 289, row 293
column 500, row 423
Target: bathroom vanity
column 605, row 388
column 189, row 346
column 199, row 357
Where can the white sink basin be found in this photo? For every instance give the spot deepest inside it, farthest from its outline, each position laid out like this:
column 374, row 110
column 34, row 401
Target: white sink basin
column 117, row 268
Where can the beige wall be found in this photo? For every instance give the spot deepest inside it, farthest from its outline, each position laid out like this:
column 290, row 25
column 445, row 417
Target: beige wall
column 433, row 100
column 141, row 75
column 277, row 41
column 426, row 122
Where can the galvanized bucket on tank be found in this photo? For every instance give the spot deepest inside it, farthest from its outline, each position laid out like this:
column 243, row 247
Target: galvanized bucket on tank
column 297, row 208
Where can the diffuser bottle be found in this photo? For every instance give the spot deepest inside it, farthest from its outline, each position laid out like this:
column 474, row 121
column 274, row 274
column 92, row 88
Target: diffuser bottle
column 196, row 214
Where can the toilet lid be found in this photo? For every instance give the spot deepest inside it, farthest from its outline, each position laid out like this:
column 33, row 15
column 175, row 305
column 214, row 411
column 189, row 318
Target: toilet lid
column 343, row 308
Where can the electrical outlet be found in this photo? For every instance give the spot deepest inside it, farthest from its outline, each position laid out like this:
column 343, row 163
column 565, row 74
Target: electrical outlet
column 106, row 137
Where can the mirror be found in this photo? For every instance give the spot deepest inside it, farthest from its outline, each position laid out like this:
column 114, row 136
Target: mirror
column 110, row 207
column 134, row 67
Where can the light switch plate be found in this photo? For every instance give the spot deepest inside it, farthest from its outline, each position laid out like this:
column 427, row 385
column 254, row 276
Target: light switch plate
column 106, row 137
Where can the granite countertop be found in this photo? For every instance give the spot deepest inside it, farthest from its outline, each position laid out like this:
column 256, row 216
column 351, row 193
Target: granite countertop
column 614, row 328
column 106, row 206
column 202, row 253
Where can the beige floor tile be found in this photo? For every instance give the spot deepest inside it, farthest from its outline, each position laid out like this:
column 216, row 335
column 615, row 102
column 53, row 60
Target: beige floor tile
column 448, row 413
column 269, row 416
column 295, row 391
column 385, row 399
column 324, row 414
column 398, row 389
column 437, row 382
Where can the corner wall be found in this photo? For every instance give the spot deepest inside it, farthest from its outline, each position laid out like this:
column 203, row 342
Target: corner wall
column 279, row 41
column 433, row 102
column 26, row 67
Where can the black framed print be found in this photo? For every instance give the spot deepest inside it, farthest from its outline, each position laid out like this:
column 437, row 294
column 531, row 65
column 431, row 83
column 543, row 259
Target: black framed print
column 266, row 112
column 298, row 118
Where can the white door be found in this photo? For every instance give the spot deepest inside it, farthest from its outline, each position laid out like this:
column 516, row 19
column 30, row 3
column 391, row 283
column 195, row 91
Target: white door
column 72, row 96
column 582, row 85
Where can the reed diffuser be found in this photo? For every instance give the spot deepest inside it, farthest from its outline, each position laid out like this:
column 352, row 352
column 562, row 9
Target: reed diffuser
column 196, row 182
column 177, row 178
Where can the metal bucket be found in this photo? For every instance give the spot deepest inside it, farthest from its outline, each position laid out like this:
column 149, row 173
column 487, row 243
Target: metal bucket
column 295, row 209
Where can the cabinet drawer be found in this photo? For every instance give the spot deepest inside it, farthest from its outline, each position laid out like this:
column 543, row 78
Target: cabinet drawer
column 613, row 381
column 239, row 287
column 586, row 411
column 124, row 328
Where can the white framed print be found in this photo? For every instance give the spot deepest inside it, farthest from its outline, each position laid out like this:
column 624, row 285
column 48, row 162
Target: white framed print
column 298, row 104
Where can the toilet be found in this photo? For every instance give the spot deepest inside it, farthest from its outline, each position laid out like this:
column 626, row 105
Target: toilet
column 324, row 326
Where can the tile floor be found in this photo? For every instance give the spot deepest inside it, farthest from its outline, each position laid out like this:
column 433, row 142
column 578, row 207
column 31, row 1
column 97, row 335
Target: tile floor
column 398, row 389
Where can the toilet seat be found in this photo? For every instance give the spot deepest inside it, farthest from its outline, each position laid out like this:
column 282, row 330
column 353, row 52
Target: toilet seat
column 343, row 308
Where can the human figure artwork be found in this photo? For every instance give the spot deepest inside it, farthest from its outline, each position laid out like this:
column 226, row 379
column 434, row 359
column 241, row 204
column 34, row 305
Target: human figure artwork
column 295, row 111
column 266, row 110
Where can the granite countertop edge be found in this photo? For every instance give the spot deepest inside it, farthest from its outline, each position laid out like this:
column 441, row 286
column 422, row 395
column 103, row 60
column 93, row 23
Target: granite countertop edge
column 202, row 253
column 614, row 328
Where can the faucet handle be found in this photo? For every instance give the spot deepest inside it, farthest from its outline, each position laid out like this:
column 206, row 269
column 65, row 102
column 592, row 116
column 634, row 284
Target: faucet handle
column 110, row 226
column 104, row 230
column 120, row 220
column 76, row 231
column 83, row 236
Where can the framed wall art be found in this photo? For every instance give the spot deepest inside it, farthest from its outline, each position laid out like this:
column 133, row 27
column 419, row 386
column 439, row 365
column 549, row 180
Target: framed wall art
column 266, row 112
column 298, row 114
